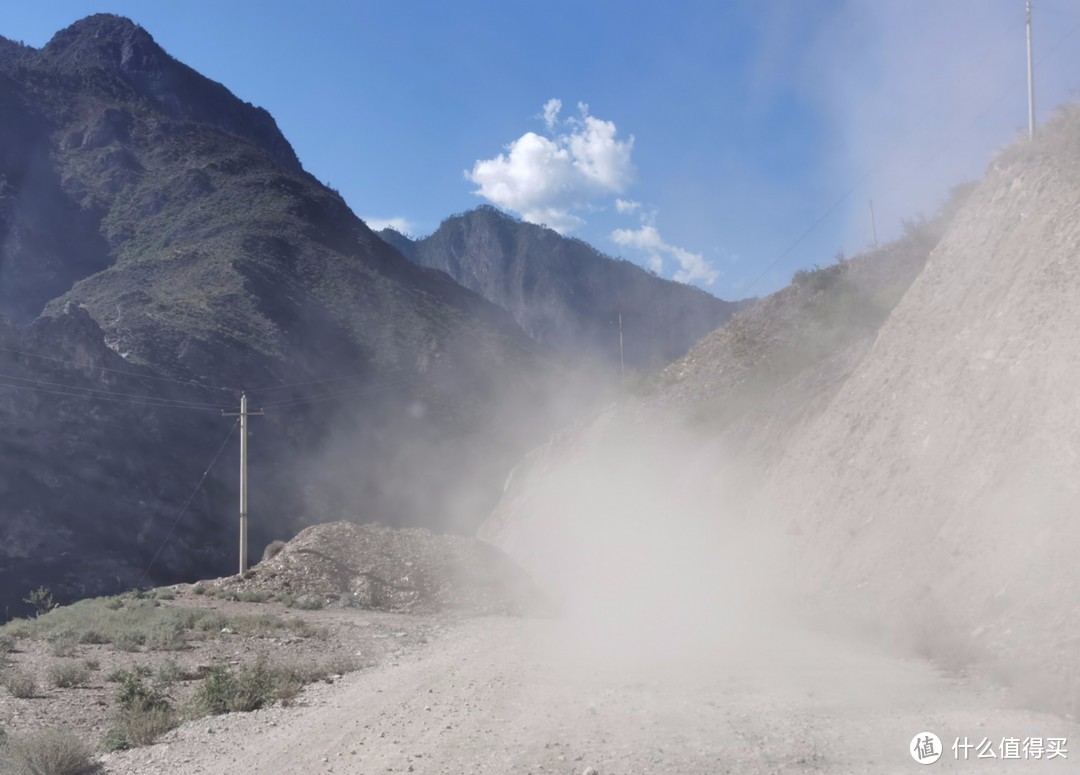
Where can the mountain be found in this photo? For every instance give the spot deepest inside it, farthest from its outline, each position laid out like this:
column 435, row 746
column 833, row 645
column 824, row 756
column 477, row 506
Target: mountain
column 162, row 250
column 566, row 294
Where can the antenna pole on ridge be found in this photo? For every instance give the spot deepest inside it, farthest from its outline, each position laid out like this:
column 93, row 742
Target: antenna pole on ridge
column 1030, row 77
column 873, row 224
column 622, row 361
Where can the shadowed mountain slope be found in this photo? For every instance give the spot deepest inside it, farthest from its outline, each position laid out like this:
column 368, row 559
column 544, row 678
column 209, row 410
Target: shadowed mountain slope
column 173, row 224
column 565, row 293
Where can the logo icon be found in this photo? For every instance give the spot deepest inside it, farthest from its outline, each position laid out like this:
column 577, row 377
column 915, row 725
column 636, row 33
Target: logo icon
column 925, row 748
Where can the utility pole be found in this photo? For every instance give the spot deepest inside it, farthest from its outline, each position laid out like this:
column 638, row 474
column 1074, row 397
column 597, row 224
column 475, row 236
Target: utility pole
column 244, row 414
column 622, row 361
column 873, row 223
column 1031, row 78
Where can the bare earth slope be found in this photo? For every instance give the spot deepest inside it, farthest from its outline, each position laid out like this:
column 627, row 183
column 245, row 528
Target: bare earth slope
column 940, row 485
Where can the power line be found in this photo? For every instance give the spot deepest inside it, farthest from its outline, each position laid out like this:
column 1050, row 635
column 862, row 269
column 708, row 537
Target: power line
column 187, row 504
column 154, row 403
column 340, row 394
column 134, row 375
column 161, row 399
column 805, row 234
column 312, row 382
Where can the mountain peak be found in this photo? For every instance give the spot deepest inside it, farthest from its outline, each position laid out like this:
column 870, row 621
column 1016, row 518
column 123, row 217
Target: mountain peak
column 126, row 51
column 115, row 42
column 563, row 292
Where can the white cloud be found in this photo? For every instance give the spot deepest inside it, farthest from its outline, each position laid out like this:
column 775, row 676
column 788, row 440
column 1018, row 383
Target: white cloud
column 692, row 266
column 627, row 205
column 545, row 180
column 398, row 224
column 551, row 113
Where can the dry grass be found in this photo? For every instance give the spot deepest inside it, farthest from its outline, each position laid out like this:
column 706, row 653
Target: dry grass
column 19, row 683
column 68, row 673
column 51, row 752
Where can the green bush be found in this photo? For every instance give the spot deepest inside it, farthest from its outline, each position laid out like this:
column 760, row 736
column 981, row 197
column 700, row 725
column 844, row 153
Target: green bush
column 130, row 622
column 51, row 752
column 138, row 725
column 115, row 740
column 134, row 693
column 64, row 675
column 144, row 713
column 259, row 683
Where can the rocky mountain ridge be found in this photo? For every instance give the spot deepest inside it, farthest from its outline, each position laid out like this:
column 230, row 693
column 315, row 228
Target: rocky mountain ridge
column 566, row 294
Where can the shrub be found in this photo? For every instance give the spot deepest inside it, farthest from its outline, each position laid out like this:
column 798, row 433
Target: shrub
column 128, row 641
column 19, row 683
column 135, row 623
column 118, row 675
column 64, row 644
column 168, row 673
column 115, row 740
column 134, row 693
column 167, row 640
column 92, row 636
column 7, row 643
column 42, row 600
column 166, row 594
column 64, row 675
column 51, row 752
column 139, row 725
column 272, row 550
column 144, row 713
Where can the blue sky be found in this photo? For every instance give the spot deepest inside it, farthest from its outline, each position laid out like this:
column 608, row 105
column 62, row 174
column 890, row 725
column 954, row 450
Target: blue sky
column 701, row 139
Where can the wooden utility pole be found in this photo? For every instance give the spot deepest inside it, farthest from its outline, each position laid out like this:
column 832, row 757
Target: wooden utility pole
column 244, row 414
column 1031, row 78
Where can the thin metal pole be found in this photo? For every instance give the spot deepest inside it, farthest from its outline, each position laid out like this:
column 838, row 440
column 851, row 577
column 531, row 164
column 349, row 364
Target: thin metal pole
column 1030, row 78
column 622, row 361
column 873, row 223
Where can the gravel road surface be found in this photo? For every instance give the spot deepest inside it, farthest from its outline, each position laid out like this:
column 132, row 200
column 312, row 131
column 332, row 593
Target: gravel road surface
column 504, row 695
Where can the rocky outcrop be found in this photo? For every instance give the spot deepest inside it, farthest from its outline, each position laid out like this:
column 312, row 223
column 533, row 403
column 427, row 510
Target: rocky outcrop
column 380, row 568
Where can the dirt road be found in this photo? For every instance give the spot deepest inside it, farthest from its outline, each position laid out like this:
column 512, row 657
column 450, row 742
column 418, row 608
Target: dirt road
column 520, row 696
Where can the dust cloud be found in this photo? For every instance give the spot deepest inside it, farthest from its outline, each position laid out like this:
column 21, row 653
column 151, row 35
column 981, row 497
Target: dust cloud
column 638, row 534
